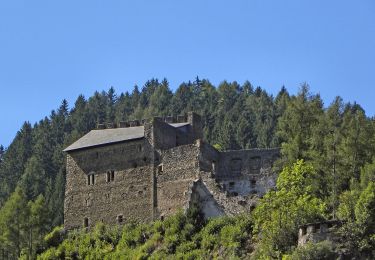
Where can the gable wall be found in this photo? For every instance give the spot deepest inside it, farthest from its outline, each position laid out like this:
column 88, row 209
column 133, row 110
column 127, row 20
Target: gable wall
column 128, row 195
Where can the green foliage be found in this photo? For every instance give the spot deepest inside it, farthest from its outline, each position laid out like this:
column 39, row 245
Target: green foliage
column 311, row 251
column 174, row 238
column 22, row 224
column 338, row 141
column 280, row 212
column 55, row 237
column 365, row 217
column 13, row 223
column 357, row 211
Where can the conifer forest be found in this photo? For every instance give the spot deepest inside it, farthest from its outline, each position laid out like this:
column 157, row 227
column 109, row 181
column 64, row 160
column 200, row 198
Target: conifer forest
column 326, row 171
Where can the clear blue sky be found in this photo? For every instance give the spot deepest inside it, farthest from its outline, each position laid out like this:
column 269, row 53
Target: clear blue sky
column 50, row 50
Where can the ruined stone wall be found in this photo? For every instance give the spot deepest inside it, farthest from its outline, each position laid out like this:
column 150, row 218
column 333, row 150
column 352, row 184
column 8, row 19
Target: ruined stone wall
column 164, row 135
column 205, row 200
column 183, row 135
column 174, row 177
column 246, row 172
column 195, row 121
column 208, row 157
column 129, row 193
column 317, row 232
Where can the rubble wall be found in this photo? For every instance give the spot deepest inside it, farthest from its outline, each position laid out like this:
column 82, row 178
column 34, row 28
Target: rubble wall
column 129, row 193
column 244, row 172
column 174, row 178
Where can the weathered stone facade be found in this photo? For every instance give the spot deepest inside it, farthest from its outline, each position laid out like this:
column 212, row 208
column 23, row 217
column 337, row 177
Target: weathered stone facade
column 151, row 169
column 317, row 232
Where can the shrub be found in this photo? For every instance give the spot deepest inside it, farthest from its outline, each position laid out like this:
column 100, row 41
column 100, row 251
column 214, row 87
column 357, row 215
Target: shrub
column 311, row 251
column 55, row 237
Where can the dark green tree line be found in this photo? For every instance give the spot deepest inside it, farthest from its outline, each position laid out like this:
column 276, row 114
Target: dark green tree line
column 337, row 140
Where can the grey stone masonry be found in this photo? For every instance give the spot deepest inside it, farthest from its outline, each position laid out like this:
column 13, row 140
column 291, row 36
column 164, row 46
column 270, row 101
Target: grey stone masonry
column 145, row 170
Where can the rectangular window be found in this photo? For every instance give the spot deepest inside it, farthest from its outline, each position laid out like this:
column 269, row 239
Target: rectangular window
column 213, row 166
column 91, row 179
column 160, row 168
column 110, row 176
column 231, row 185
column 120, row 219
column 85, row 222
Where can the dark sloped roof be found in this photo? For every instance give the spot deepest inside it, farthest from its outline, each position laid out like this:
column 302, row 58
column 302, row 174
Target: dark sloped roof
column 108, row 136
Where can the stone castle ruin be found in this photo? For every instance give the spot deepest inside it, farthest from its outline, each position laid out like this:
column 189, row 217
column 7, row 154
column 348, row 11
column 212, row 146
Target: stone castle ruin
column 150, row 169
column 318, row 231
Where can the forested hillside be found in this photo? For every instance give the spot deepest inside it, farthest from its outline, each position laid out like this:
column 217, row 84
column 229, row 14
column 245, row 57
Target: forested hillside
column 335, row 179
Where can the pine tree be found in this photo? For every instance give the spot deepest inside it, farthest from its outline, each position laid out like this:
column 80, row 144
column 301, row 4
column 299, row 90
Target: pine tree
column 296, row 124
column 2, row 151
column 110, row 109
column 14, row 161
column 355, row 150
column 14, row 222
column 33, row 181
column 160, row 101
column 37, row 224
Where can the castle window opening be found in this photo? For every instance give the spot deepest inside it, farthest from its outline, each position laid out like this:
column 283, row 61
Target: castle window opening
column 303, row 231
column 313, row 229
column 91, row 178
column 110, row 176
column 236, row 165
column 255, row 163
column 97, row 155
column 88, row 203
column 85, row 222
column 213, row 166
column 160, row 168
column 140, row 148
column 253, row 183
column 317, row 228
column 231, row 184
column 120, row 219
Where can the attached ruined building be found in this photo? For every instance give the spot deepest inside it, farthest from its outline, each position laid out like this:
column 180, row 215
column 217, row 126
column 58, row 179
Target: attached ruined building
column 151, row 169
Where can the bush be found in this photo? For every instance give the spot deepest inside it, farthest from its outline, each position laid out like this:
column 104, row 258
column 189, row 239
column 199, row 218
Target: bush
column 311, row 251
column 175, row 238
column 55, row 237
